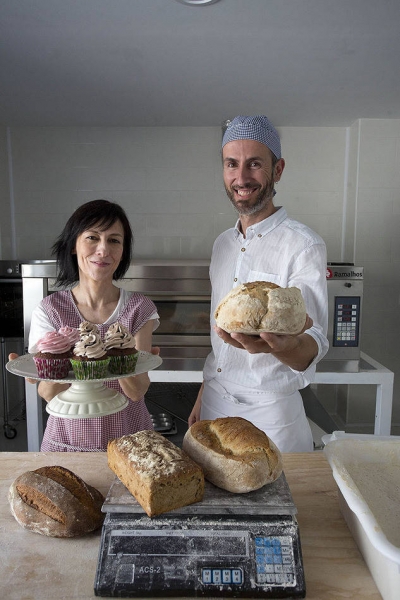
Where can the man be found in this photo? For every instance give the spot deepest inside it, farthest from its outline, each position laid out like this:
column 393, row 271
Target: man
column 259, row 378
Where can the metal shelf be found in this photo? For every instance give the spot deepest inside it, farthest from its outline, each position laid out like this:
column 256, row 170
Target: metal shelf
column 370, row 373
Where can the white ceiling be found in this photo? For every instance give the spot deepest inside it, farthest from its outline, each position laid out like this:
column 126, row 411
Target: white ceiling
column 161, row 63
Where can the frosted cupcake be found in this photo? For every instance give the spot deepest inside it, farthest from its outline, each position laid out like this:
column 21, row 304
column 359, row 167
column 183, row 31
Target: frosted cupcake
column 89, row 355
column 71, row 334
column 87, row 327
column 52, row 356
column 120, row 347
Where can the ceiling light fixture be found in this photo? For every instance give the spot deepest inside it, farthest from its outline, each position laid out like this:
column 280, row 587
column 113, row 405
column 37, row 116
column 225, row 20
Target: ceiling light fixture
column 197, row 2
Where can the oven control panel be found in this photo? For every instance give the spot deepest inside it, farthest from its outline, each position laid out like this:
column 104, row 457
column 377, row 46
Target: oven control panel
column 346, row 321
column 10, row 268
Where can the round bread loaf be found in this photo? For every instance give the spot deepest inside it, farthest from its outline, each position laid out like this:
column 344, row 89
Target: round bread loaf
column 53, row 501
column 234, row 454
column 261, row 306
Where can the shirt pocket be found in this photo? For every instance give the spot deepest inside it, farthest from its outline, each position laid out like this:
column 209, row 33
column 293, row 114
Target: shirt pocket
column 261, row 276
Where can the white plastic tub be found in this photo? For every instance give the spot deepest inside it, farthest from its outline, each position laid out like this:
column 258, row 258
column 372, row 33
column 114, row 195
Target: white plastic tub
column 367, row 472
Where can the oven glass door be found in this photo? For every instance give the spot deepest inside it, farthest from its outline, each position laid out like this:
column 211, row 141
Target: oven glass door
column 11, row 308
column 183, row 316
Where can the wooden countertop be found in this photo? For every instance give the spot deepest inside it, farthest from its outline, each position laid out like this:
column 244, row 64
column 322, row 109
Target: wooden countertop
column 37, row 567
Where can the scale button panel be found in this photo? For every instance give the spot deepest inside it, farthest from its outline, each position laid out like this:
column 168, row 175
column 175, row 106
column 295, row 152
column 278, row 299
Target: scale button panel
column 222, row 576
column 274, row 560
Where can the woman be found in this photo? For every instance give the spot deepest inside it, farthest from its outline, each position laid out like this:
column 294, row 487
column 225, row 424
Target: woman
column 94, row 249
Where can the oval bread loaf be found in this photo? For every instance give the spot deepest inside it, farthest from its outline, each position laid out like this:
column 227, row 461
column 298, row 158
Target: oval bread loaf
column 53, row 501
column 234, row 454
column 261, row 306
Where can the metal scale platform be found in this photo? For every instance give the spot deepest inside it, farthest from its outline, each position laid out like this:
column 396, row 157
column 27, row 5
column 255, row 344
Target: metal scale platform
column 228, row 545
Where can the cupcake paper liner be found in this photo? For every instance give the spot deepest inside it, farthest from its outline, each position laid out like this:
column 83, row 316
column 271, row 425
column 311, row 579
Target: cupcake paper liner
column 52, row 368
column 122, row 365
column 90, row 369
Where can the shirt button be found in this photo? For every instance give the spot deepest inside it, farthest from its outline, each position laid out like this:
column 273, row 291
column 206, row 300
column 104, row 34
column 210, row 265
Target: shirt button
column 235, row 279
column 219, row 370
column 243, row 249
column 259, row 235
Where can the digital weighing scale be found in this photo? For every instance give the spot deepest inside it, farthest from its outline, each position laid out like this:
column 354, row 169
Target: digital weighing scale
column 227, row 545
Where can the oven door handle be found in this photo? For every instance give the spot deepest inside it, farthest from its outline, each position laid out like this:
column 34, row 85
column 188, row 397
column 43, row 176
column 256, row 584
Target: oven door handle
column 10, row 280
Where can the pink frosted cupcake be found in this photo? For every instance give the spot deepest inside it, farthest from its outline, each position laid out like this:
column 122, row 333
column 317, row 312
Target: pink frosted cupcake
column 120, row 346
column 52, row 356
column 71, row 334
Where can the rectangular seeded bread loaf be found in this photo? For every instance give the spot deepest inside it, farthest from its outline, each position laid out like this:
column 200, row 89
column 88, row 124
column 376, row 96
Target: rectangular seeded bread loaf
column 157, row 473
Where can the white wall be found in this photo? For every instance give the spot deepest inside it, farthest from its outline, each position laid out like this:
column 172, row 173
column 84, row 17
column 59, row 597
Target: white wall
column 344, row 183
column 168, row 180
column 377, row 248
column 4, row 196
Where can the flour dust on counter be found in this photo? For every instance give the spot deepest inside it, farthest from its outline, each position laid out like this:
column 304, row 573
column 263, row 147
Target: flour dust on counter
column 379, row 485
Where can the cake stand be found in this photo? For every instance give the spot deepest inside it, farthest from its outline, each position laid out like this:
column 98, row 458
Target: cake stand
column 84, row 398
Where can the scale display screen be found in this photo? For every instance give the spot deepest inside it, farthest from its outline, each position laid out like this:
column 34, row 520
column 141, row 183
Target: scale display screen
column 160, row 543
column 215, row 557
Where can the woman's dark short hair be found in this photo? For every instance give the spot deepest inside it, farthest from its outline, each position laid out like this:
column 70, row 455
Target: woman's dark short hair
column 101, row 213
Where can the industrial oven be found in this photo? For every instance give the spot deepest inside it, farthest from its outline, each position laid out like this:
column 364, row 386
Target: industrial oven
column 12, row 391
column 180, row 289
column 182, row 293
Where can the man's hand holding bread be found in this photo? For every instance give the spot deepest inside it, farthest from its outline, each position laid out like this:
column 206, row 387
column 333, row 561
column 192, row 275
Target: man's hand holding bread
column 261, row 317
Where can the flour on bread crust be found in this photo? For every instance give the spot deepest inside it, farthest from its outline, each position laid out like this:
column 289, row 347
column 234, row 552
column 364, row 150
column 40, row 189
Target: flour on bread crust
column 262, row 306
column 55, row 502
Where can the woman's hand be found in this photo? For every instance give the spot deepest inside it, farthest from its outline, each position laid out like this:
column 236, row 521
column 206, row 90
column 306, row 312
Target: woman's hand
column 48, row 389
column 136, row 386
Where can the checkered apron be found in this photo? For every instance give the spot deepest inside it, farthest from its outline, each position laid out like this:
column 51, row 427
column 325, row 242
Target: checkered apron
column 93, row 434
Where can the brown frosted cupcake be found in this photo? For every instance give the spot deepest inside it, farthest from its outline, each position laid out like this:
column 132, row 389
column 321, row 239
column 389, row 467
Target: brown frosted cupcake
column 120, row 347
column 52, row 358
column 89, row 355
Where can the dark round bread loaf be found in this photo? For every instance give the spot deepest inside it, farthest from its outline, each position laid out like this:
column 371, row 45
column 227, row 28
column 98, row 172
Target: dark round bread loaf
column 53, row 501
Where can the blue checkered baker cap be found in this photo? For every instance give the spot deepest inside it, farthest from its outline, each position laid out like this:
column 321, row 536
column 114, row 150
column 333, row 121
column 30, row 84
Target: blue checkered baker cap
column 257, row 128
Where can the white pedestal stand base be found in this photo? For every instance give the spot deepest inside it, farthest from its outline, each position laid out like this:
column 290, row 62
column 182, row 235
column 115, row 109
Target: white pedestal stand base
column 86, row 399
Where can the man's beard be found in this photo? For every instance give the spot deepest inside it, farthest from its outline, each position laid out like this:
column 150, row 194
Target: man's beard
column 263, row 199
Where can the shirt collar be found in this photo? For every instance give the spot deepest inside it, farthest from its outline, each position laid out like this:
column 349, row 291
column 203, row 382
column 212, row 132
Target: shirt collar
column 266, row 225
